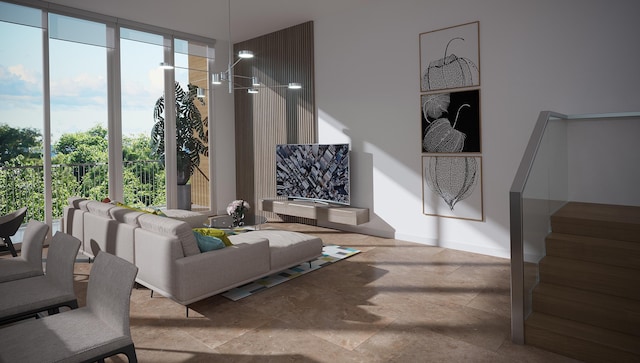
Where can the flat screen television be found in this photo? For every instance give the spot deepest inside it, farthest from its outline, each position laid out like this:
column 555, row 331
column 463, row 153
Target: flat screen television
column 318, row 172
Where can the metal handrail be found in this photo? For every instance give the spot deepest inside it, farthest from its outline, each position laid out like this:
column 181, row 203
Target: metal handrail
column 516, row 212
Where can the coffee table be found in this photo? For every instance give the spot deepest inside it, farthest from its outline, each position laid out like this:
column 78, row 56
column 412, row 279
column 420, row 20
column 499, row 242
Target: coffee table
column 225, row 222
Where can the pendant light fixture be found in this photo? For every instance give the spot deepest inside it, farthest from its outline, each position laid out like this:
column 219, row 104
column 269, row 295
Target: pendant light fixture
column 229, row 77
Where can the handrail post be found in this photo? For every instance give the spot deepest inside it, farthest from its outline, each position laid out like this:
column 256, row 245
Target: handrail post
column 516, row 226
column 517, row 268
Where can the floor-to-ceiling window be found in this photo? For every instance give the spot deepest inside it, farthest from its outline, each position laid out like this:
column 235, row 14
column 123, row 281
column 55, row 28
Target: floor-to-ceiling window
column 79, row 109
column 142, row 83
column 74, row 107
column 21, row 110
column 191, row 76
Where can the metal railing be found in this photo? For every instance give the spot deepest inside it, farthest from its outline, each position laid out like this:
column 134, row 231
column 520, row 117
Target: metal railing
column 144, row 184
column 549, row 191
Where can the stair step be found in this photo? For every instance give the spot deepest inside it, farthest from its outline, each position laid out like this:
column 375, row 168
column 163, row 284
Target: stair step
column 605, row 311
column 598, row 220
column 598, row 250
column 604, row 279
column 580, row 341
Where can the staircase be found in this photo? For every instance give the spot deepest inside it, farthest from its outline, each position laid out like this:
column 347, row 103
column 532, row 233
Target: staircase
column 587, row 303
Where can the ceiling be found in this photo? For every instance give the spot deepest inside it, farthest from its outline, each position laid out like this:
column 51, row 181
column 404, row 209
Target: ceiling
column 209, row 18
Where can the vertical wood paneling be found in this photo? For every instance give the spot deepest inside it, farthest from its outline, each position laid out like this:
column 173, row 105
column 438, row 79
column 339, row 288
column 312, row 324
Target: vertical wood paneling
column 274, row 115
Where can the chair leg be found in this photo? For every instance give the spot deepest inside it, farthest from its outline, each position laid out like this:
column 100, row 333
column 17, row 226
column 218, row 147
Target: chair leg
column 9, row 244
column 187, row 311
column 152, row 293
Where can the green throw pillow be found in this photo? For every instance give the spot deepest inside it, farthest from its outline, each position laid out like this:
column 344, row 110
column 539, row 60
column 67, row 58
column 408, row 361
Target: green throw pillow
column 214, row 232
column 208, row 243
column 149, row 210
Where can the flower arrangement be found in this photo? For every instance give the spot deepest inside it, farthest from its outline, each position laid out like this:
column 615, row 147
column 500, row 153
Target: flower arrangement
column 237, row 210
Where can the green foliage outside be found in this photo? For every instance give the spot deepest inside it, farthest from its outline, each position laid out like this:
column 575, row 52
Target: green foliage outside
column 79, row 167
column 15, row 142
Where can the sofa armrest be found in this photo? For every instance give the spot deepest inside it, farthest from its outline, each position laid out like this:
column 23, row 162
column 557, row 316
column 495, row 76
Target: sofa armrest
column 155, row 256
column 217, row 271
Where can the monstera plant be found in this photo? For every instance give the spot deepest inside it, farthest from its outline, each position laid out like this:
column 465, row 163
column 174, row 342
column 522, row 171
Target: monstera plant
column 190, row 132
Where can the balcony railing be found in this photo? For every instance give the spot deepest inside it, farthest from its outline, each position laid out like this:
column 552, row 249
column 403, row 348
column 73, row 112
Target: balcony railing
column 144, row 185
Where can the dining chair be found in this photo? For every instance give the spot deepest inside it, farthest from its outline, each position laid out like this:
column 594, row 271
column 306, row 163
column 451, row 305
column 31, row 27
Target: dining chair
column 87, row 334
column 9, row 225
column 29, row 263
column 25, row 298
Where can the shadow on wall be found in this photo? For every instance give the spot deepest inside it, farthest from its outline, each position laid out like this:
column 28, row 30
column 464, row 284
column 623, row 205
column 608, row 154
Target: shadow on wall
column 361, row 195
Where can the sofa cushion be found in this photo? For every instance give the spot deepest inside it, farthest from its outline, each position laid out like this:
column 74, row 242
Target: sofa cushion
column 82, row 205
column 149, row 210
column 208, row 243
column 287, row 248
column 195, row 219
column 75, row 201
column 99, row 209
column 125, row 215
column 214, row 232
column 171, row 227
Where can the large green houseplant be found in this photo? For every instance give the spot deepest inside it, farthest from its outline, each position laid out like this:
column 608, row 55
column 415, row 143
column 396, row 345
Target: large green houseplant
column 190, row 132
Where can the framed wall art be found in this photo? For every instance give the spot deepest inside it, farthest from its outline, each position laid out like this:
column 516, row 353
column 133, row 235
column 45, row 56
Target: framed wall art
column 452, row 187
column 451, row 122
column 450, row 58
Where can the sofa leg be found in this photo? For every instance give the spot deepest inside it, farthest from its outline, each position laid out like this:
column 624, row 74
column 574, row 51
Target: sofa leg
column 187, row 311
column 151, row 293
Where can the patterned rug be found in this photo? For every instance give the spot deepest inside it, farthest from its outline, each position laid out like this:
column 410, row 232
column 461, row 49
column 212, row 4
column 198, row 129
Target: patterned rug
column 330, row 254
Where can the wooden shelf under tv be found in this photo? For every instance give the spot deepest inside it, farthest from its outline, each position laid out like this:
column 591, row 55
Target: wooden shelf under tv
column 315, row 210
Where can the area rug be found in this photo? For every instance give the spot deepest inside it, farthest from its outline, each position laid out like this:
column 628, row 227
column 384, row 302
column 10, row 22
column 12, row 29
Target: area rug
column 330, row 254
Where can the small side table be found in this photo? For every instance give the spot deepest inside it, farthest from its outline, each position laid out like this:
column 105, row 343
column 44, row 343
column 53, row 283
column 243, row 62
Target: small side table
column 251, row 221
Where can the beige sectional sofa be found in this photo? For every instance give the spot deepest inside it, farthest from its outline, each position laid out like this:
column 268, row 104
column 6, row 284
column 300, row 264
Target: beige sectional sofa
column 167, row 255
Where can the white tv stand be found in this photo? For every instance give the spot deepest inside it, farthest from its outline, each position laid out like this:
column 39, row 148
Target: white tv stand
column 316, row 210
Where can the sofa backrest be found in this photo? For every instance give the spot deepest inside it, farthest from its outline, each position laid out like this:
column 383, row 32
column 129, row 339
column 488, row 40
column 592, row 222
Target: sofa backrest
column 99, row 208
column 126, row 216
column 171, row 228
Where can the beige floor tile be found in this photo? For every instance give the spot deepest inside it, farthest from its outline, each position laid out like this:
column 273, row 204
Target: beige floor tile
column 394, row 302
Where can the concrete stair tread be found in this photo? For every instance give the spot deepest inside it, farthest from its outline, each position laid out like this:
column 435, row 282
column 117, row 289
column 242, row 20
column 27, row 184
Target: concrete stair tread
column 584, row 332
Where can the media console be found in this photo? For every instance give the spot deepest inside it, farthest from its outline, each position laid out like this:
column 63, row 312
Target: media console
column 315, row 210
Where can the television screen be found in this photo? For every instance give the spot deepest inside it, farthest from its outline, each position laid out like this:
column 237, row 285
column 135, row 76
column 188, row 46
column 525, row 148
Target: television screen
column 313, row 171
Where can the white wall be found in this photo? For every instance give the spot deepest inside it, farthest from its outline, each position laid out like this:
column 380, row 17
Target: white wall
column 604, row 161
column 572, row 57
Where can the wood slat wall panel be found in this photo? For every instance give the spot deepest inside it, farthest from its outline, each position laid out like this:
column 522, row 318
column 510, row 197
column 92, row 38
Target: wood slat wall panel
column 274, row 115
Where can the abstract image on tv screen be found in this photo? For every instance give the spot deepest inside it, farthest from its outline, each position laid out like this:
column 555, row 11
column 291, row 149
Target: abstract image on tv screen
column 313, row 171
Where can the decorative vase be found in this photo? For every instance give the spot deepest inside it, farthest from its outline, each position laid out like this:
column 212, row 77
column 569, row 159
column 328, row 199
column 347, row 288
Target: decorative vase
column 238, row 219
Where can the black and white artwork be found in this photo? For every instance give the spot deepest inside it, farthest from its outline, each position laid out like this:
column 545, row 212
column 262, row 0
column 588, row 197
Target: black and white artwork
column 451, row 122
column 450, row 58
column 452, row 186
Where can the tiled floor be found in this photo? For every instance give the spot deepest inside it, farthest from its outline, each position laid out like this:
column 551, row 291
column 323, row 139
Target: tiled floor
column 394, row 302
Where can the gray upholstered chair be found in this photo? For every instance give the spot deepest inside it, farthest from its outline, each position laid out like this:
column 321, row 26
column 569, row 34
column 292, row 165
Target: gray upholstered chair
column 29, row 263
column 88, row 334
column 25, row 298
column 9, row 225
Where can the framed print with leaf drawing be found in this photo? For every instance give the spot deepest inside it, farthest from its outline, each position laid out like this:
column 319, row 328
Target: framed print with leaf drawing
column 451, row 122
column 450, row 58
column 452, row 187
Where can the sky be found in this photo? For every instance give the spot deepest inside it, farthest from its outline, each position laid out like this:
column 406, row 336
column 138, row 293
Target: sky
column 78, row 79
